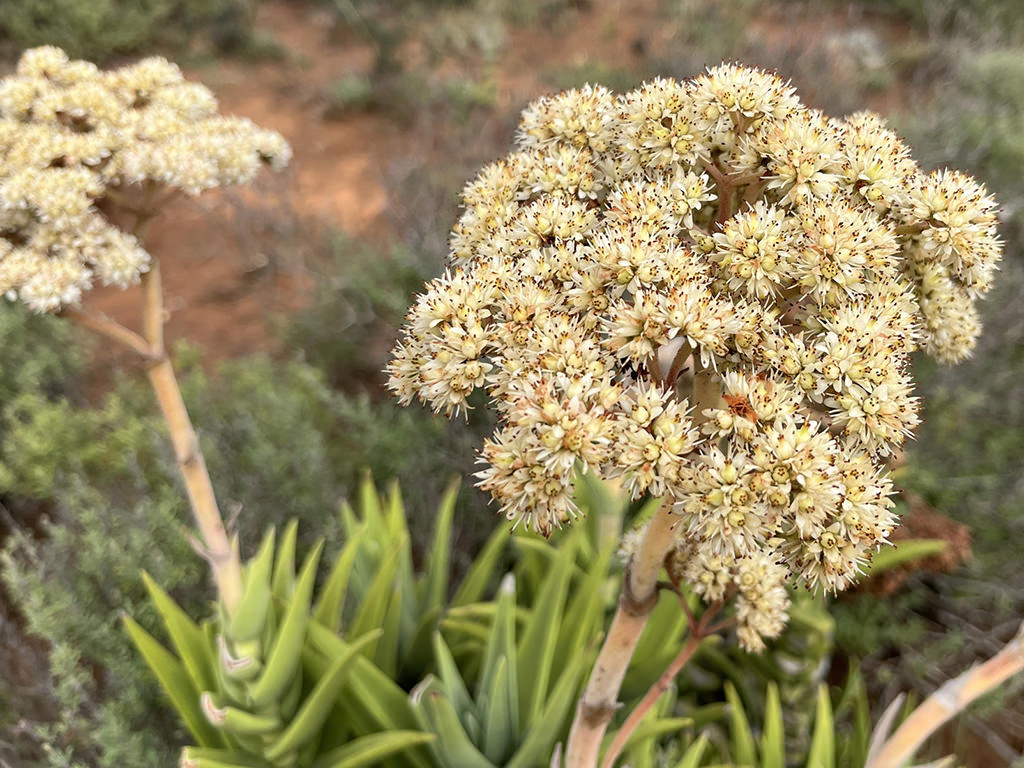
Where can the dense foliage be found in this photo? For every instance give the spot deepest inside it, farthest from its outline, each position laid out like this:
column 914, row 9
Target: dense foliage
column 101, row 29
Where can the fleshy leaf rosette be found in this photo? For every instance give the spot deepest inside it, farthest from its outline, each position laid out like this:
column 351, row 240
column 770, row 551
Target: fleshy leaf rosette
column 72, row 136
column 712, row 233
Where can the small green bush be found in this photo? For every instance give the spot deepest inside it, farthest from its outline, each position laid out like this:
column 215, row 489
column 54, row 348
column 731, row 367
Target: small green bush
column 102, row 29
column 279, row 443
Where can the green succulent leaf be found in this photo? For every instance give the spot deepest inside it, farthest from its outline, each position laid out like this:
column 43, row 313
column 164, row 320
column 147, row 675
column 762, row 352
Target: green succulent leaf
column 373, row 749
column 434, row 585
column 823, row 747
column 485, row 565
column 250, row 615
column 286, row 653
column 539, row 739
column 318, row 704
column 205, row 757
column 773, row 741
column 694, row 754
column 284, row 565
column 331, row 601
column 436, row 713
column 187, row 638
column 540, row 637
column 498, row 674
column 742, row 741
column 906, row 551
column 176, row 684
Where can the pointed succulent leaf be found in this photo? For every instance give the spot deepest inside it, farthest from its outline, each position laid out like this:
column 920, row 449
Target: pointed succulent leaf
column 773, row 741
column 386, row 649
column 176, row 684
column 373, row 749
column 368, row 690
column 284, row 564
column 187, row 638
column 694, row 754
column 742, row 740
column 484, row 566
column 584, row 614
column 452, row 680
column 318, row 704
column 374, row 603
column 540, row 637
column 905, row 551
column 823, row 748
column 501, row 640
column 436, row 714
column 286, row 652
column 206, row 757
column 250, row 615
column 500, row 724
column 434, row 585
column 540, row 738
column 331, row 601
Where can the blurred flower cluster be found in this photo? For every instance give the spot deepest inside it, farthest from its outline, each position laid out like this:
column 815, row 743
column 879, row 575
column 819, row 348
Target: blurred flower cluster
column 72, row 136
column 707, row 235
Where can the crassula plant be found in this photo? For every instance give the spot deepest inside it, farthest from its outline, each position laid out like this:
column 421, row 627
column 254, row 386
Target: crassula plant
column 711, row 292
column 87, row 159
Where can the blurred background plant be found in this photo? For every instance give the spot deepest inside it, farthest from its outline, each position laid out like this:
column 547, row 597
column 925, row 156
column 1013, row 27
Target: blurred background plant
column 105, row 29
column 381, row 152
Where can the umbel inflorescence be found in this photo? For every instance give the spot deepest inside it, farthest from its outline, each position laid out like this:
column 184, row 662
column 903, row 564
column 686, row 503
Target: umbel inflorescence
column 711, row 234
column 73, row 137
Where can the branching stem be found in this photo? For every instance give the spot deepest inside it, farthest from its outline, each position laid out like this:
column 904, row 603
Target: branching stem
column 219, row 550
column 639, row 596
column 698, row 632
column 950, row 699
column 221, row 553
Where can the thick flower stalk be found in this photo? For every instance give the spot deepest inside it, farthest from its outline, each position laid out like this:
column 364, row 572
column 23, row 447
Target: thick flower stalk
column 712, row 292
column 87, row 158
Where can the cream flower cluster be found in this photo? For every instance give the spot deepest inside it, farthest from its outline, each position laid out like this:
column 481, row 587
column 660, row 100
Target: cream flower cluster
column 71, row 134
column 712, row 292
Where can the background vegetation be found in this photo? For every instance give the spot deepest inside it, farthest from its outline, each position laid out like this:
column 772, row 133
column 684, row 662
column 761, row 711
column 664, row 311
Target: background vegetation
column 422, row 92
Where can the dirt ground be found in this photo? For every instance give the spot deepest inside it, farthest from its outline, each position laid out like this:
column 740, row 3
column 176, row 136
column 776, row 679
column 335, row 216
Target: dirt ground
column 224, row 289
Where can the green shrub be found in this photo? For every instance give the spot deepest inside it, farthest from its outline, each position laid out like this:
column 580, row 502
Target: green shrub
column 279, row 443
column 101, row 29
